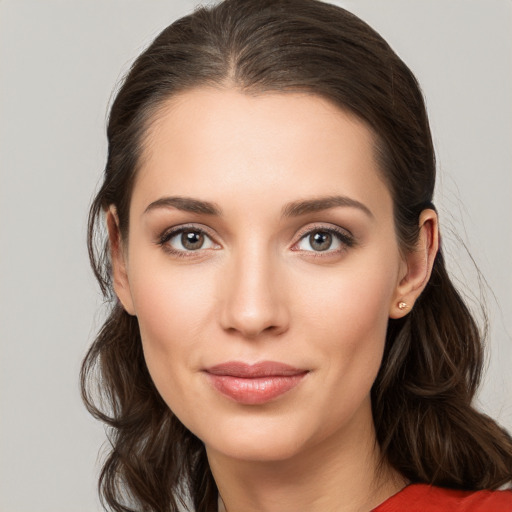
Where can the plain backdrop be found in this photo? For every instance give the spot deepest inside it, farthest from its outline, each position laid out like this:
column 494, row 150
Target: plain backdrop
column 59, row 62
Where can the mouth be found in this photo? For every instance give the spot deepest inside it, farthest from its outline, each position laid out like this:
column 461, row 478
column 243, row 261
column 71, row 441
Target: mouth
column 254, row 384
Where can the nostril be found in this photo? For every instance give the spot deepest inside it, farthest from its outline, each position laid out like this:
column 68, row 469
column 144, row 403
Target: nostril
column 272, row 321
column 252, row 303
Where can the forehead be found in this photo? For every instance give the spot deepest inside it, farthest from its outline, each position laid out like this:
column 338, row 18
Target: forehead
column 221, row 142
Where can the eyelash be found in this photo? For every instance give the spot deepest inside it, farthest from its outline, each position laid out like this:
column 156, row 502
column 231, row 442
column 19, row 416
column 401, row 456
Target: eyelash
column 166, row 236
column 345, row 238
column 342, row 236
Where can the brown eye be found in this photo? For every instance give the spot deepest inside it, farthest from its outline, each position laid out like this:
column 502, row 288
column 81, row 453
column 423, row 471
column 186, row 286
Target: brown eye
column 187, row 240
column 328, row 240
column 192, row 240
column 320, row 240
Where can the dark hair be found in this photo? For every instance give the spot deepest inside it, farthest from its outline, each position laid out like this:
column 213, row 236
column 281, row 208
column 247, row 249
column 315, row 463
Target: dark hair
column 426, row 427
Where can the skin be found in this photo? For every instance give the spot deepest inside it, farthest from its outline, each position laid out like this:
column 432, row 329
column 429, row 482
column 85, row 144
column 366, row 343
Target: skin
column 257, row 290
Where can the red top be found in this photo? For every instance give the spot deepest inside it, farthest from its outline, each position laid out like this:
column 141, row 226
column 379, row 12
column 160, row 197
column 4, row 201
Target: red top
column 425, row 498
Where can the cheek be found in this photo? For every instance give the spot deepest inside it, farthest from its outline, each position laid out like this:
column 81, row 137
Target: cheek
column 347, row 314
column 174, row 308
column 351, row 300
column 171, row 300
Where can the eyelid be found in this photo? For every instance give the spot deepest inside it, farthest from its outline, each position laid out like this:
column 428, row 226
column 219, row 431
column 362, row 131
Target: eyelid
column 171, row 232
column 343, row 235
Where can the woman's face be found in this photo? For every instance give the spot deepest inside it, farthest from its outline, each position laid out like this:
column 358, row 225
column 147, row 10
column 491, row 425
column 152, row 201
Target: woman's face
column 262, row 265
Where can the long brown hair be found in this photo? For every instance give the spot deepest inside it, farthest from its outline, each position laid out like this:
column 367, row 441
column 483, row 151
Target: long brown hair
column 421, row 399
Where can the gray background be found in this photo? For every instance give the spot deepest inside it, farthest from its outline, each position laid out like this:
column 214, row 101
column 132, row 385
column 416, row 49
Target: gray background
column 59, row 61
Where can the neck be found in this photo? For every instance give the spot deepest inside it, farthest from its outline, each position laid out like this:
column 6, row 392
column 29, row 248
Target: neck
column 340, row 474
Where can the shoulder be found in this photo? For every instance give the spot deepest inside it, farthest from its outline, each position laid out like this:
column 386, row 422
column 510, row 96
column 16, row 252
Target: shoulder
column 427, row 498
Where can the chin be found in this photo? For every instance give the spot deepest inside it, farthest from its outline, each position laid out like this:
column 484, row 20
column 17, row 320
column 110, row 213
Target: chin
column 257, row 440
column 258, row 448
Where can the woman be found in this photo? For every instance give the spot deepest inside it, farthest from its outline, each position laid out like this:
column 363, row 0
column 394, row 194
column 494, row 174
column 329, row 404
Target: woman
column 284, row 335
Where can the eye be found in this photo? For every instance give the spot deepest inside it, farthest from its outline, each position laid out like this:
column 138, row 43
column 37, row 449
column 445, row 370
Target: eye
column 324, row 240
column 186, row 240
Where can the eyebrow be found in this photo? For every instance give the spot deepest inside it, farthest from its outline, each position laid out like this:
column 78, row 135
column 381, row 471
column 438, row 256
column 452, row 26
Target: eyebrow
column 293, row 209
column 297, row 208
column 186, row 204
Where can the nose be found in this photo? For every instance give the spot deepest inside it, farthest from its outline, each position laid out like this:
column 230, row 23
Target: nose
column 253, row 296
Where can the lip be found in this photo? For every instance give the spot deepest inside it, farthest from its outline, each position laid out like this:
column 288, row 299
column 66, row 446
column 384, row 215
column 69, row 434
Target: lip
column 253, row 384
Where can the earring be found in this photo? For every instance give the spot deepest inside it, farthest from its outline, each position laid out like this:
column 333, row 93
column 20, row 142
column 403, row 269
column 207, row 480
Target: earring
column 402, row 305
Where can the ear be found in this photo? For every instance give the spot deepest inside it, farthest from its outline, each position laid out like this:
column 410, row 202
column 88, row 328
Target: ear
column 118, row 258
column 418, row 265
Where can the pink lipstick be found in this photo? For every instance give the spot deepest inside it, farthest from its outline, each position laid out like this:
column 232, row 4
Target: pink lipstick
column 254, row 384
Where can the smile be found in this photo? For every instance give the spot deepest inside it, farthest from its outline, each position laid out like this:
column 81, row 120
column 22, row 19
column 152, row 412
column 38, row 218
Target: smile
column 254, row 384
